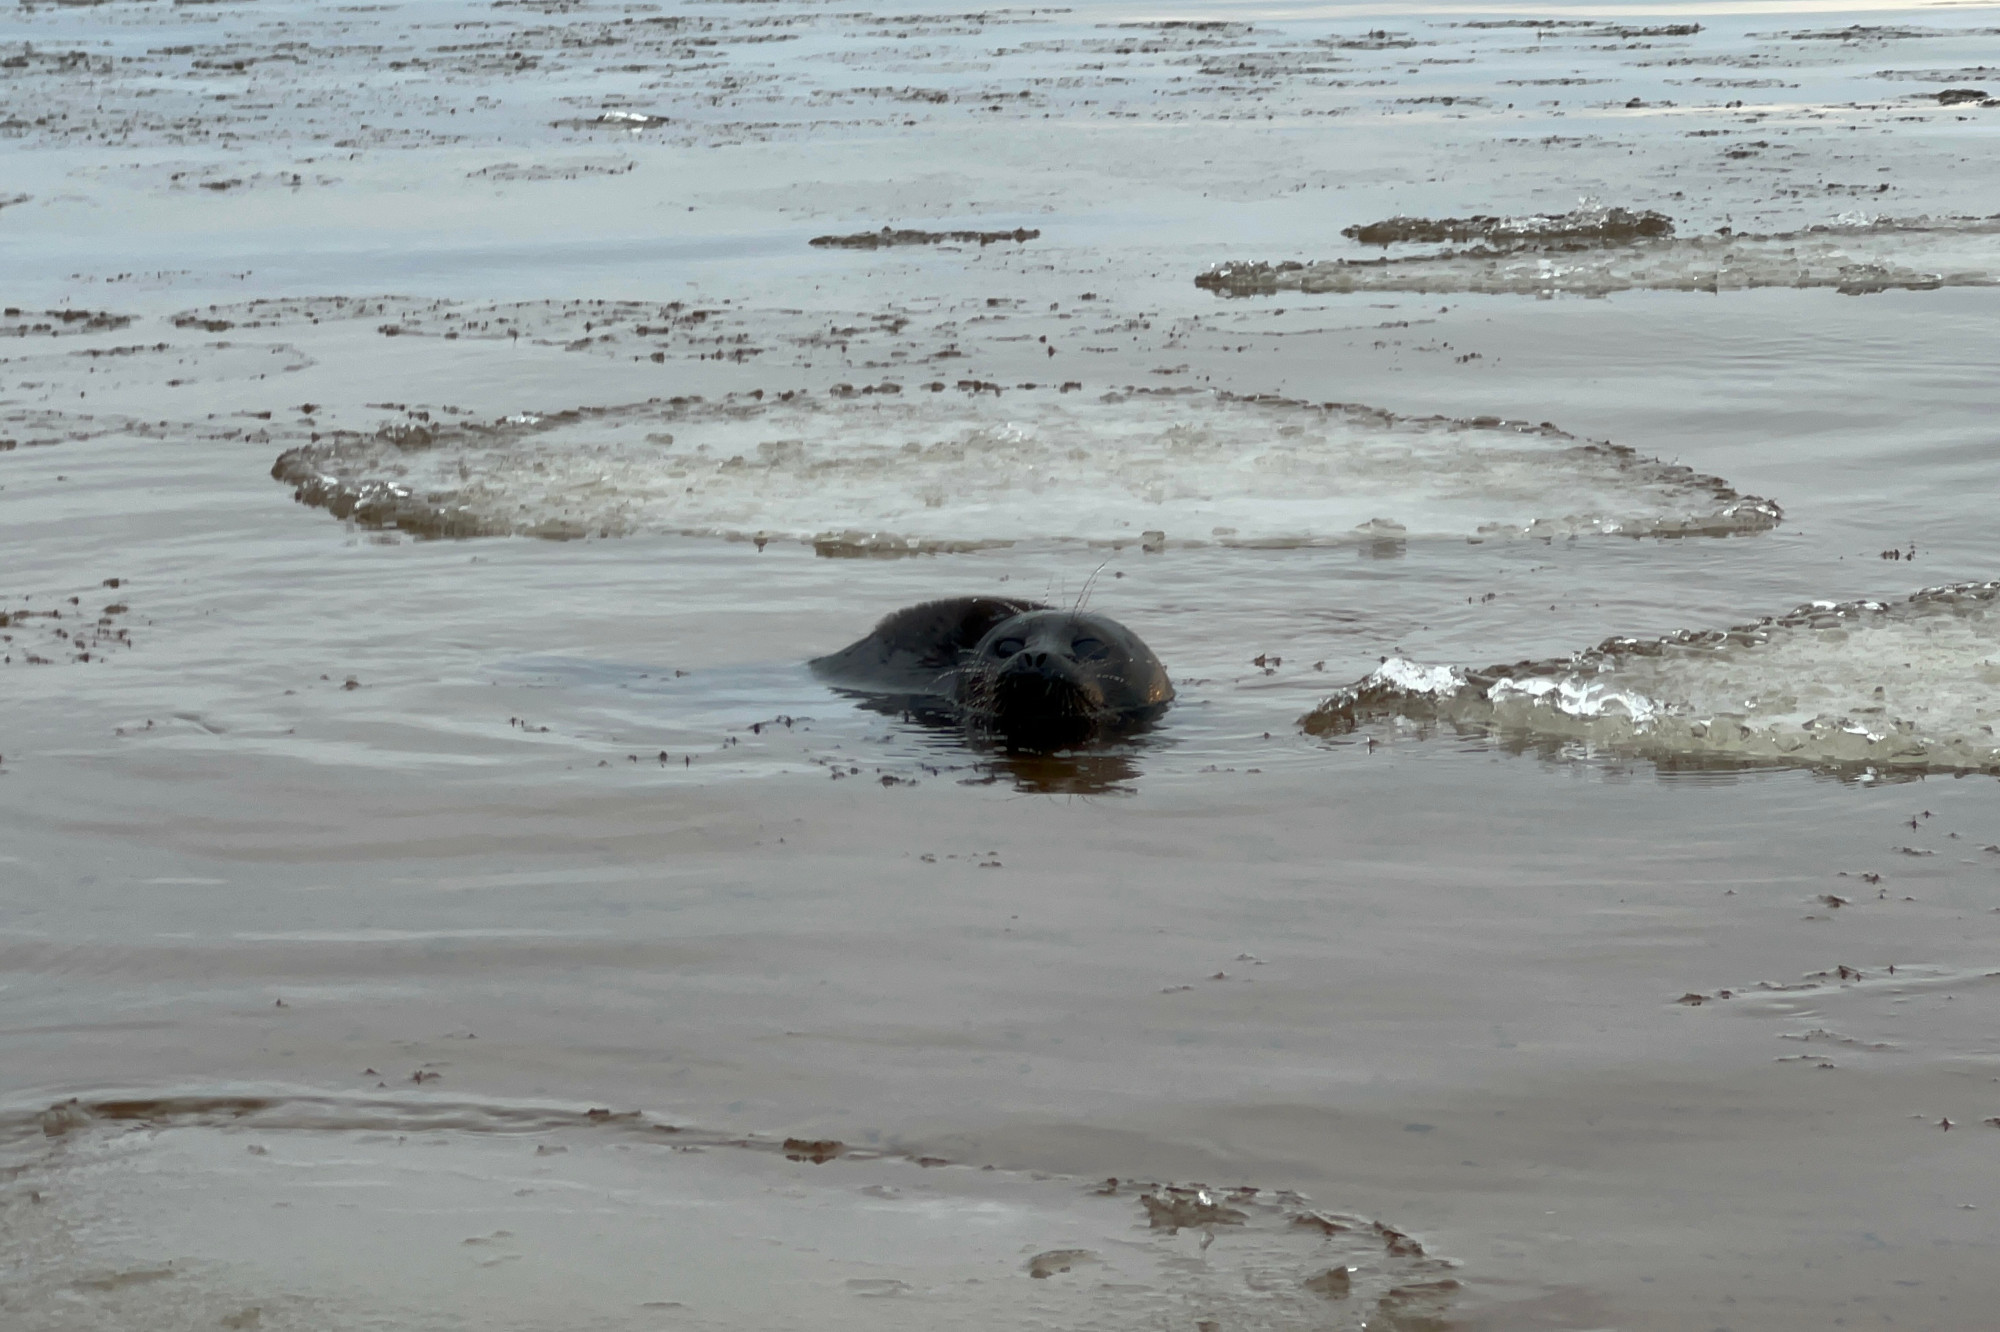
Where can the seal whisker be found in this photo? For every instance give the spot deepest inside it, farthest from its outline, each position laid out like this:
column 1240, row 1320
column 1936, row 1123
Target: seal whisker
column 1088, row 583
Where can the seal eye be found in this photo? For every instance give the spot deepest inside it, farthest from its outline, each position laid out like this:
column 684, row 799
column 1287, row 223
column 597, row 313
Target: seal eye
column 1007, row 647
column 1088, row 649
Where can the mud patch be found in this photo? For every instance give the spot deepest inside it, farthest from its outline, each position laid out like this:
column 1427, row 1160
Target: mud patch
column 1851, row 259
column 1966, row 74
column 66, row 630
column 572, row 169
column 633, row 330
column 33, row 428
column 889, row 237
column 1594, row 226
column 1864, row 689
column 293, row 311
column 19, row 323
column 1867, row 34
column 628, row 121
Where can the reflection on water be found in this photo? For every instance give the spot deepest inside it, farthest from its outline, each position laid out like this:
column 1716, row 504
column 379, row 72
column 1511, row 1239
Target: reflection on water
column 1072, row 772
column 1109, row 767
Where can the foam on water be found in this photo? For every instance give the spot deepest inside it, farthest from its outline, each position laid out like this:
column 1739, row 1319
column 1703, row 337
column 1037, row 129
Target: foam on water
column 881, row 470
column 1853, row 258
column 1859, row 686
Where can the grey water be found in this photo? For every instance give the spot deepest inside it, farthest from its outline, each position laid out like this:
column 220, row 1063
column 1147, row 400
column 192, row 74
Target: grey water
column 433, row 893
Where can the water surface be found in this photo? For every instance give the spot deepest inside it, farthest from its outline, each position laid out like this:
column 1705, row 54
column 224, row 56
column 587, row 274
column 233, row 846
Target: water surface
column 431, row 445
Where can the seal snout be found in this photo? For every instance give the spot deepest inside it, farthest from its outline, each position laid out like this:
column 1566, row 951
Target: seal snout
column 1054, row 679
column 1040, row 707
column 1042, row 663
column 1050, row 686
column 1038, row 690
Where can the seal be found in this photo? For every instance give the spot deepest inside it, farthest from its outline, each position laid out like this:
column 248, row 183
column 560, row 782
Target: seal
column 1035, row 677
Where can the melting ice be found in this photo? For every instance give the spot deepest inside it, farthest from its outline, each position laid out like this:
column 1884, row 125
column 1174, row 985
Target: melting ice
column 1913, row 686
column 884, row 470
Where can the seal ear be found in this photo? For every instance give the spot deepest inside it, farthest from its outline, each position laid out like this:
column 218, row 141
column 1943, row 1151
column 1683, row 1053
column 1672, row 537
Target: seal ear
column 911, row 649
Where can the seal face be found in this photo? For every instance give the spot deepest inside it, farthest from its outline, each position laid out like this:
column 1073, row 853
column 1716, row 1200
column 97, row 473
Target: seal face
column 1048, row 679
column 1037, row 678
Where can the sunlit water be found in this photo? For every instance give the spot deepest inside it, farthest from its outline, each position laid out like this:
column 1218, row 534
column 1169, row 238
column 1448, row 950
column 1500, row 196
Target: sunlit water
column 430, row 447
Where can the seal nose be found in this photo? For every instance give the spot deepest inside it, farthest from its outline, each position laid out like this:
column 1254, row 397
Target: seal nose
column 1034, row 661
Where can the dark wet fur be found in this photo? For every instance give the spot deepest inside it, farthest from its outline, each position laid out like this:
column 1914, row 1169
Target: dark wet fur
column 1006, row 669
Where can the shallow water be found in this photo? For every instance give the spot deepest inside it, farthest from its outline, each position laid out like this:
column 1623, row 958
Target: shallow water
column 431, row 445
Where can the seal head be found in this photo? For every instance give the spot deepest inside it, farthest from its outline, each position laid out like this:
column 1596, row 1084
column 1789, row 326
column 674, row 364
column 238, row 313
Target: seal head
column 1050, row 679
column 1037, row 678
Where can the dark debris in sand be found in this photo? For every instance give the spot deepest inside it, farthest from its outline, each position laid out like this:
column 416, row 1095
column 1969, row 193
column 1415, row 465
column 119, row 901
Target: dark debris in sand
column 1609, row 226
column 18, row 323
column 890, row 236
column 334, row 84
column 64, row 630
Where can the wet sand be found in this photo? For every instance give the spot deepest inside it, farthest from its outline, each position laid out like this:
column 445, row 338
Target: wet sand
column 404, row 827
